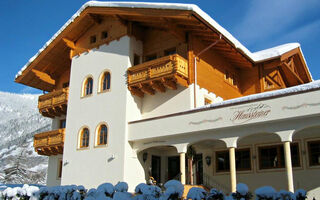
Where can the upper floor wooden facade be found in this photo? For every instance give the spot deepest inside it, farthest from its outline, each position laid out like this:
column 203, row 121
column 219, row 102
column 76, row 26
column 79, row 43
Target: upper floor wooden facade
column 172, row 39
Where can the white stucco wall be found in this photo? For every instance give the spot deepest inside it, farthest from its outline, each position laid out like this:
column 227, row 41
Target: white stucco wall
column 53, row 170
column 95, row 165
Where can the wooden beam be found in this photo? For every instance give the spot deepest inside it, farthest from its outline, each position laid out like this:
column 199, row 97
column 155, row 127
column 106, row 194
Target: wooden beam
column 146, row 88
column 292, row 72
column 175, row 30
column 96, row 18
column 69, row 43
column 158, row 86
column 169, row 83
column 137, row 92
column 44, row 77
column 121, row 19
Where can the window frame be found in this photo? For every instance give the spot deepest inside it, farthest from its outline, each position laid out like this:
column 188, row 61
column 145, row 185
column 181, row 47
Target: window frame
column 222, row 172
column 308, row 155
column 101, row 79
column 258, row 162
column 97, row 135
column 84, row 86
column 80, row 134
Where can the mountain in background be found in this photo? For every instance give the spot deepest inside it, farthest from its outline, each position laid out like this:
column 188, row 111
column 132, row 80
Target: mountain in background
column 19, row 121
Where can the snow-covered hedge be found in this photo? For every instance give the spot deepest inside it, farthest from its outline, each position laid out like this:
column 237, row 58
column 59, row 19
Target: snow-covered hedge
column 173, row 190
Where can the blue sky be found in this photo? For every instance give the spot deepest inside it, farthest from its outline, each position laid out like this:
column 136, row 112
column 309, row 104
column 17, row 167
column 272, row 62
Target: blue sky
column 258, row 24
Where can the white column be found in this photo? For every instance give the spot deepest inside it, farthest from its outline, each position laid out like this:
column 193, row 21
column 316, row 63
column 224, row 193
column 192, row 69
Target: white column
column 183, row 167
column 287, row 156
column 233, row 178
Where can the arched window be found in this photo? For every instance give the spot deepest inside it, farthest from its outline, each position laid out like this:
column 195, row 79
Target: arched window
column 102, row 137
column 105, row 80
column 87, row 86
column 84, row 138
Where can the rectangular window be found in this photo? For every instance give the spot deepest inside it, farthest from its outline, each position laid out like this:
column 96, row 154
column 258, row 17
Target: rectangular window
column 272, row 157
column 104, row 34
column 60, row 169
column 170, row 51
column 314, row 153
column 63, row 123
column 243, row 160
column 93, row 39
column 151, row 57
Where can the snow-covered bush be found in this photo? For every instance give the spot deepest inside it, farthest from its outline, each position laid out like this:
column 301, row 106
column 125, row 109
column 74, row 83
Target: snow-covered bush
column 26, row 192
column 196, row 193
column 174, row 190
column 242, row 192
column 121, row 187
column 286, row 195
column 266, row 193
column 107, row 189
column 300, row 194
column 215, row 194
column 147, row 192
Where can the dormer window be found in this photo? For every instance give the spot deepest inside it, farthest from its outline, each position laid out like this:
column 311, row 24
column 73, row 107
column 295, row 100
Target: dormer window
column 93, row 39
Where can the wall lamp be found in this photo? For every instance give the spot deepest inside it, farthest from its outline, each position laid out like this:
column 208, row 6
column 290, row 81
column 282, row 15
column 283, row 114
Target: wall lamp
column 208, row 160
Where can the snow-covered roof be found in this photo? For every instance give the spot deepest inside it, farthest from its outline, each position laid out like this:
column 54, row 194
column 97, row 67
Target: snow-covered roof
column 255, row 57
column 314, row 85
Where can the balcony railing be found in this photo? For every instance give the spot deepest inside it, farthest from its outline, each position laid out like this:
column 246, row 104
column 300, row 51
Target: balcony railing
column 54, row 103
column 49, row 143
column 157, row 75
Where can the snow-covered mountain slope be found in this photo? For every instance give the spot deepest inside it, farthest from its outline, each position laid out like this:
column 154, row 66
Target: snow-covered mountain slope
column 19, row 121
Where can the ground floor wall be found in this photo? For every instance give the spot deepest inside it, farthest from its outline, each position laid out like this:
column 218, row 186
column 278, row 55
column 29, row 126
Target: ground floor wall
column 54, row 170
column 304, row 176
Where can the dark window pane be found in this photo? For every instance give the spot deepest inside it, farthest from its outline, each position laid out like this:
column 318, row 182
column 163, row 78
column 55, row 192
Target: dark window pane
column 314, row 153
column 63, row 123
column 103, row 134
column 243, row 159
column 295, row 156
column 151, row 57
column 106, row 81
column 268, row 157
column 222, row 161
column 170, row 51
column 89, row 85
column 273, row 156
column 85, row 138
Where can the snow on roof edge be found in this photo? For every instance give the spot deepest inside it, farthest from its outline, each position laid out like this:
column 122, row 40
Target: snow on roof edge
column 256, row 57
column 295, row 89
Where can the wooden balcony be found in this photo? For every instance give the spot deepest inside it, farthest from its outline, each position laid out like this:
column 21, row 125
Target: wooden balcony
column 158, row 75
column 49, row 143
column 54, row 103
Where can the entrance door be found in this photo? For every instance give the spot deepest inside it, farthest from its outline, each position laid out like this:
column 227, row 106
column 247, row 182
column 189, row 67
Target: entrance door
column 199, row 169
column 173, row 167
column 156, row 168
